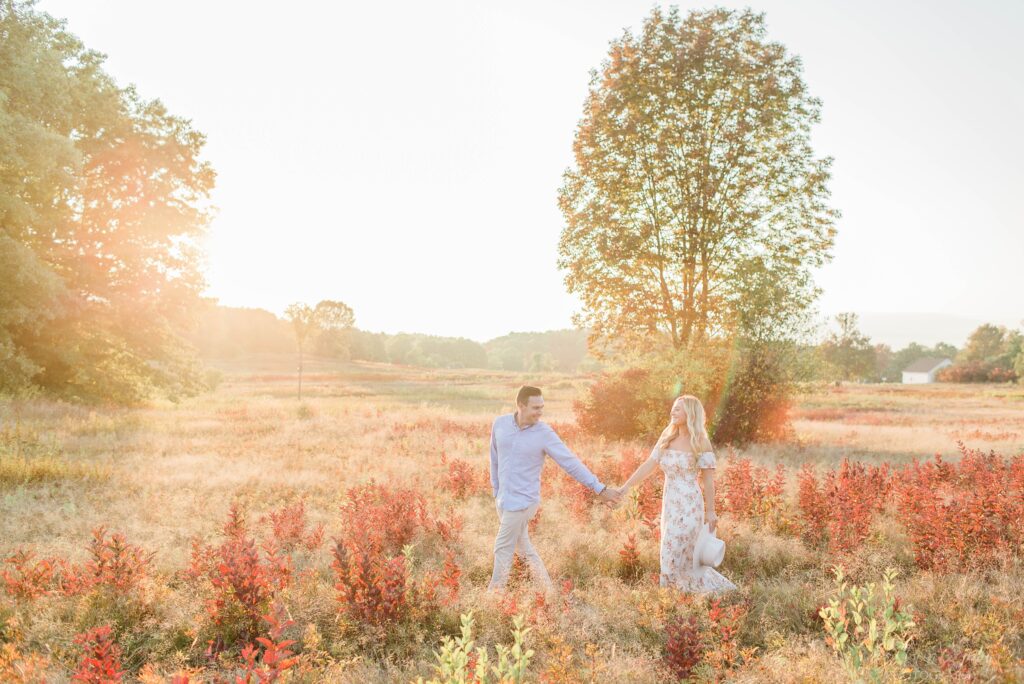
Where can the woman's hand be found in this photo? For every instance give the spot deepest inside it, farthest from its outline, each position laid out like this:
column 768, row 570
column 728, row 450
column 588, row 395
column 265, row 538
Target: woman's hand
column 712, row 520
column 621, row 491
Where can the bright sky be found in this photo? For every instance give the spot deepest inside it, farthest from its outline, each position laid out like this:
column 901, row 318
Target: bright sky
column 405, row 157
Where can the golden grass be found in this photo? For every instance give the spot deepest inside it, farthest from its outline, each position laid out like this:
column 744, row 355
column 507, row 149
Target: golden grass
column 167, row 473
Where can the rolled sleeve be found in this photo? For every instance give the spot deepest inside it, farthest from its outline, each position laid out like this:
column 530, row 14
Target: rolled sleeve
column 567, row 461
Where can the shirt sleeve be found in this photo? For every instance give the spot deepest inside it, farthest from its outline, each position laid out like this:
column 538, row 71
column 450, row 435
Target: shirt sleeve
column 567, row 461
column 706, row 460
column 494, row 461
column 655, row 454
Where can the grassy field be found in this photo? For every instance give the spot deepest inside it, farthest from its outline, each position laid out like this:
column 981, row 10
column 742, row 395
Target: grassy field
column 166, row 477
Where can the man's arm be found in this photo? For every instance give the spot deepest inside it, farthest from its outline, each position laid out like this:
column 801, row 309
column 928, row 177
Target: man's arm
column 567, row 461
column 494, row 462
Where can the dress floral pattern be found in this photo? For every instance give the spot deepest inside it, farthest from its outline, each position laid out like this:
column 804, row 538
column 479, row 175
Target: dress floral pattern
column 682, row 516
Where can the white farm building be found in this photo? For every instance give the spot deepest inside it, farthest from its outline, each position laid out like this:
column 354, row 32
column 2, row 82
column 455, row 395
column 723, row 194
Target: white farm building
column 923, row 370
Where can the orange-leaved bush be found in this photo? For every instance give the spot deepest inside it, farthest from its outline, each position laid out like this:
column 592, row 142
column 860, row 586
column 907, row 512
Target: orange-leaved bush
column 966, row 513
column 840, row 507
column 751, row 492
column 242, row 577
column 100, row 661
column 372, row 576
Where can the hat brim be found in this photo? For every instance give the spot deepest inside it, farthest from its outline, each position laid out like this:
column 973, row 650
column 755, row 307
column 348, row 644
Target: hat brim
column 698, row 546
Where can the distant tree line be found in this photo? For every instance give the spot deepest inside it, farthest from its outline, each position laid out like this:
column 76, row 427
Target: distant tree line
column 991, row 354
column 229, row 332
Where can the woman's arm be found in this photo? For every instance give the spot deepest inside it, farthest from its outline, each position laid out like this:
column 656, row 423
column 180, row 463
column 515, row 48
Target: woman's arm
column 641, row 473
column 708, row 477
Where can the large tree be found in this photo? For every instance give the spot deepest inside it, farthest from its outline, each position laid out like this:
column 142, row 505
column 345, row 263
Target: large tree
column 328, row 317
column 104, row 192
column 848, row 352
column 696, row 207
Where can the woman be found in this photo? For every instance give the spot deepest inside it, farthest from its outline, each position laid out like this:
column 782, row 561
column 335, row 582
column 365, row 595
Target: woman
column 682, row 451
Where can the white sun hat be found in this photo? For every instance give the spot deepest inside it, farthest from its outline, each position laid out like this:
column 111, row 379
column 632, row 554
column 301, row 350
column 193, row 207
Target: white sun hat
column 709, row 551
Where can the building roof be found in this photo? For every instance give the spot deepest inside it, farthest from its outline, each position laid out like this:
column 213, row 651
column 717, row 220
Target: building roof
column 925, row 365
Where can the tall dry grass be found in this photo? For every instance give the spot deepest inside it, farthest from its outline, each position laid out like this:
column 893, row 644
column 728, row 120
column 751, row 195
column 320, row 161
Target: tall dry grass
column 167, row 474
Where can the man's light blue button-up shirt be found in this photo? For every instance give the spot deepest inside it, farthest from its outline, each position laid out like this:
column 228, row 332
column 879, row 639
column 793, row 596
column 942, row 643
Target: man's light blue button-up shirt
column 517, row 456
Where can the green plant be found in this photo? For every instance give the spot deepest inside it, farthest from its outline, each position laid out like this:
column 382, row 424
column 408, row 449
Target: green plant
column 458, row 662
column 867, row 626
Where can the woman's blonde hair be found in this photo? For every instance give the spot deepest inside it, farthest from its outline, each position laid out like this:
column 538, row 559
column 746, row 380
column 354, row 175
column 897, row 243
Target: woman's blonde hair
column 699, row 441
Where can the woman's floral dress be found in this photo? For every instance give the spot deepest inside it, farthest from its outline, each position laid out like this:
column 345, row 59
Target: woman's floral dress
column 682, row 516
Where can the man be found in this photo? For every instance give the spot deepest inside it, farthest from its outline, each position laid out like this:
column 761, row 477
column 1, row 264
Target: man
column 519, row 442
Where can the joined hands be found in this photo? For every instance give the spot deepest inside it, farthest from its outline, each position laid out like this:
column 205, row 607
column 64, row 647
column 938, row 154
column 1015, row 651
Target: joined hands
column 611, row 496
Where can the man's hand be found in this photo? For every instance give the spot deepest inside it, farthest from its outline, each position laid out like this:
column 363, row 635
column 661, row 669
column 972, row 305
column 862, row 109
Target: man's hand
column 610, row 495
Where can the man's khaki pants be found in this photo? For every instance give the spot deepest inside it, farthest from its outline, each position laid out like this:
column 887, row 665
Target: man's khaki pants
column 514, row 535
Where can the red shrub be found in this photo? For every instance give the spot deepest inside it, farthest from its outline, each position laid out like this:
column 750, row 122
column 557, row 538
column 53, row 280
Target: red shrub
column 616, row 405
column 813, row 508
column 276, row 656
column 841, row 508
column 450, row 576
column 371, row 587
column 462, row 478
column 27, row 579
column 649, row 492
column 382, row 519
column 243, row 580
column 100, row 662
column 372, row 578
column 577, row 498
column 725, row 627
column 966, row 513
column 751, row 492
column 449, row 526
column 115, row 563
column 630, row 568
column 684, row 647
column 288, row 526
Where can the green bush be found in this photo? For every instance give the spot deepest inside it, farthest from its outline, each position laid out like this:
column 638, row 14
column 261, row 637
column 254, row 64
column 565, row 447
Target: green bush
column 745, row 390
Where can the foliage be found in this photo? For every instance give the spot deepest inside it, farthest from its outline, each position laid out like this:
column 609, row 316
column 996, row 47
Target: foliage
column 458, row 662
column 755, row 400
column 966, row 513
column 867, row 626
column 848, row 353
column 630, row 569
column 241, row 581
column 275, row 655
column 749, row 492
column 328, row 318
column 101, row 658
column 25, row 577
column 370, row 557
column 745, row 388
column 463, row 479
column 224, row 332
column 684, row 647
column 556, row 350
column 102, row 201
column 695, row 206
column 623, row 405
column 990, row 355
column 289, row 528
column 839, row 509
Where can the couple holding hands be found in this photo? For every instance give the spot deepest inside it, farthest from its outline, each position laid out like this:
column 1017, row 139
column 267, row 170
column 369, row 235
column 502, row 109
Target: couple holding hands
column 519, row 443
